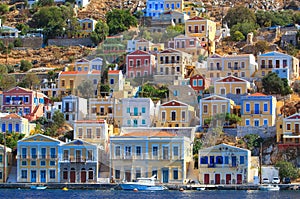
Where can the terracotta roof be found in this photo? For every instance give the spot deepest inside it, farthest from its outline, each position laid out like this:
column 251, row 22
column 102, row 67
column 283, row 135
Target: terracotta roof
column 114, row 72
column 89, row 121
column 258, row 94
column 149, row 134
column 173, row 103
column 12, row 116
column 139, row 52
column 82, row 60
column 295, row 116
column 231, row 79
column 196, row 18
column 73, row 72
column 96, row 72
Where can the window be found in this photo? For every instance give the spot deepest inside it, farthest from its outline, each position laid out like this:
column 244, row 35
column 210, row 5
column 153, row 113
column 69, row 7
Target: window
column 131, row 63
column 242, row 160
column 80, row 132
column 205, row 108
column 165, row 152
column 223, row 91
column 247, row 122
column 112, row 81
column 128, row 110
column 138, row 63
column 265, row 107
column 183, row 115
column 117, row 174
column 223, row 108
column 175, row 92
column 95, row 81
column 138, row 150
column 155, row 151
column 128, row 122
column 215, row 108
column 43, row 163
column 43, row 151
column 24, row 163
column 226, row 160
column 266, row 122
column 89, row 133
column 90, row 155
column 52, row 152
column 138, row 173
column 146, row 62
column 194, row 82
column 247, row 107
column 143, row 121
column 175, row 174
column 24, row 152
column 91, row 174
column 33, row 163
column 127, row 150
column 33, row 153
column 154, row 173
column 163, row 116
column 66, row 155
column 256, row 122
column 243, row 74
column 52, row 163
column 288, row 127
column 52, row 174
column 173, row 115
column 17, row 129
column 3, row 127
column 175, row 150
column 98, row 132
column 200, row 82
column 62, row 83
column 204, row 160
column 219, row 160
column 117, row 151
column 24, row 174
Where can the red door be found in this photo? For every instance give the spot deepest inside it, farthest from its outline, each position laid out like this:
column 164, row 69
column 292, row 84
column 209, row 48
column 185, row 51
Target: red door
column 83, row 176
column 239, row 178
column 72, row 176
column 206, row 178
column 228, row 178
column 217, row 178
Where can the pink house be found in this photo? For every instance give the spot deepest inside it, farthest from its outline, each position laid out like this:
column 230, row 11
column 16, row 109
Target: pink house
column 139, row 64
column 25, row 102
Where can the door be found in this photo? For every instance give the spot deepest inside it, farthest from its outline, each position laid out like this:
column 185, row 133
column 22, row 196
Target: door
column 83, row 176
column 43, row 176
column 233, row 159
column 239, row 179
column 72, row 176
column 33, row 176
column 228, row 178
column 256, row 109
column 128, row 176
column 206, row 178
column 165, row 175
column 297, row 128
column 217, row 178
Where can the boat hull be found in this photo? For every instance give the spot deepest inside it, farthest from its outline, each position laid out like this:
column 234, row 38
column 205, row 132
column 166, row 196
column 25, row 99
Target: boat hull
column 38, row 187
column 269, row 188
column 141, row 187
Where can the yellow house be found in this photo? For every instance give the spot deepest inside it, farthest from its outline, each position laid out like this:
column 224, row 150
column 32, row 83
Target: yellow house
column 231, row 85
column 258, row 110
column 204, row 29
column 242, row 66
column 175, row 114
column 102, row 108
column 87, row 26
column 214, row 105
column 8, row 162
column 68, row 81
column 174, row 5
column 289, row 135
column 148, row 153
column 37, row 159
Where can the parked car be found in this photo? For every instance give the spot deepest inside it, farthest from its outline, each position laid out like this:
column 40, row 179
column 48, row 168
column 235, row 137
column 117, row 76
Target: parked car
column 266, row 180
column 286, row 180
column 275, row 180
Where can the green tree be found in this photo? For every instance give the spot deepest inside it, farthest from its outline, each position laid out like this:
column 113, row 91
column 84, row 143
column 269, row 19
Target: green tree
column 24, row 28
column 42, row 3
column 11, row 139
column 58, row 118
column 287, row 169
column 86, row 89
column 100, row 33
column 172, row 31
column 25, row 65
column 30, row 81
column 244, row 28
column 244, row 14
column 261, row 47
column 7, row 81
column 3, row 69
column 119, row 21
column 252, row 141
column 18, row 42
column 197, row 146
column 104, row 90
column 237, row 36
column 3, row 8
column 273, row 84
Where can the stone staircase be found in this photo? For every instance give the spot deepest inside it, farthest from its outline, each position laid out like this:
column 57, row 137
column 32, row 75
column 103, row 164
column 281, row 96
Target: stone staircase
column 12, row 176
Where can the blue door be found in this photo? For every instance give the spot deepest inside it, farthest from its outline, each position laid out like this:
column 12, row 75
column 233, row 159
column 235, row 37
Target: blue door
column 256, row 109
column 33, row 176
column 165, row 175
column 135, row 111
column 233, row 161
column 43, row 176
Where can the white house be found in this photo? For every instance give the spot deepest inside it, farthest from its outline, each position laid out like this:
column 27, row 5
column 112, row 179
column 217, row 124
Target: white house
column 74, row 108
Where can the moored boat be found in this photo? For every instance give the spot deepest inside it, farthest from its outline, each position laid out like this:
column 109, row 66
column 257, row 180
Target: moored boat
column 143, row 184
column 38, row 187
column 269, row 187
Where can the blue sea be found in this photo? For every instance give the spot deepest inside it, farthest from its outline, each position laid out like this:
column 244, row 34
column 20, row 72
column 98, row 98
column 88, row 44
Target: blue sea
column 93, row 194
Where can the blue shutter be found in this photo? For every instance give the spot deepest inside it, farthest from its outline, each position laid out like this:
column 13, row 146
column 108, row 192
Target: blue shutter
column 3, row 127
column 17, row 128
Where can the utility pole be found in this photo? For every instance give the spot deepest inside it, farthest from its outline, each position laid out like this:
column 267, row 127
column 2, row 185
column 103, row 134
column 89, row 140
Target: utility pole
column 260, row 163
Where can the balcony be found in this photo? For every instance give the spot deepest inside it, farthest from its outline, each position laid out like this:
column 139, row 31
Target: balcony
column 256, row 112
column 135, row 114
column 212, row 165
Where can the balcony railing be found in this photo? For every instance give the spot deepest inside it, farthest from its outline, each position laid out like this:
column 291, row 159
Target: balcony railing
column 135, row 114
column 37, row 157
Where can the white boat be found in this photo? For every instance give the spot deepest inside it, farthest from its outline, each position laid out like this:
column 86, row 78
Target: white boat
column 143, row 184
column 200, row 188
column 269, row 187
column 39, row 187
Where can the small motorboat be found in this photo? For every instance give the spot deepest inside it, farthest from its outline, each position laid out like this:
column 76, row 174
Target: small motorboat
column 200, row 188
column 65, row 189
column 143, row 184
column 38, row 187
column 269, row 187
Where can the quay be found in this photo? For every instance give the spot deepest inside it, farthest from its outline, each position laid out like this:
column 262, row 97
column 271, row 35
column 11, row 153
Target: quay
column 112, row 186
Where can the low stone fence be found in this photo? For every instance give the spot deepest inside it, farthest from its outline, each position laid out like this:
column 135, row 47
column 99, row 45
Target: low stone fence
column 71, row 42
column 262, row 131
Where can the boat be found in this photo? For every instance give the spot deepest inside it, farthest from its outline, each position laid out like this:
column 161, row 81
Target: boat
column 143, row 184
column 65, row 189
column 269, row 187
column 200, row 188
column 38, row 187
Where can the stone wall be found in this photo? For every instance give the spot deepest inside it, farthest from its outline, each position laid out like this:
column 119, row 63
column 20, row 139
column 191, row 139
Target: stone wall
column 28, row 42
column 71, row 42
column 263, row 132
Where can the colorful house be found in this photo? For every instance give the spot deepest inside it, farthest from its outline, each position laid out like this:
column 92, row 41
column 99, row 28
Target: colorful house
column 86, row 65
column 24, row 102
column 156, row 7
column 139, row 64
column 144, row 154
column 231, row 85
column 204, row 29
column 242, row 66
column 87, row 26
column 175, row 114
column 74, row 108
column 258, row 110
column 115, row 80
column 78, row 162
column 224, row 164
column 15, row 123
column 37, row 159
column 199, row 83
column 284, row 65
column 5, row 165
column 102, row 108
column 214, row 105
column 68, row 81
column 289, row 132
